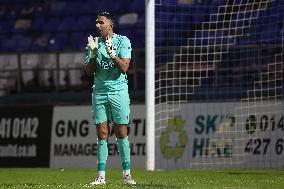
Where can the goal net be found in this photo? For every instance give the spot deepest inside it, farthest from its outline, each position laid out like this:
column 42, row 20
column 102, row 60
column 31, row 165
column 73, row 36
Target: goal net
column 219, row 83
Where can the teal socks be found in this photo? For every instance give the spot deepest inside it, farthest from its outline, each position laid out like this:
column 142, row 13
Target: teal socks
column 124, row 153
column 102, row 154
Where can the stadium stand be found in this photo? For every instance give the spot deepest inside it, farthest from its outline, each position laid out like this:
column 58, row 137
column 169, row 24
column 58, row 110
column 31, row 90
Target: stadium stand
column 48, row 38
column 49, row 27
column 192, row 39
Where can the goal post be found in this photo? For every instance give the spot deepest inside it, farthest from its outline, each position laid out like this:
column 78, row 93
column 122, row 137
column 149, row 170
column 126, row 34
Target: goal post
column 150, row 85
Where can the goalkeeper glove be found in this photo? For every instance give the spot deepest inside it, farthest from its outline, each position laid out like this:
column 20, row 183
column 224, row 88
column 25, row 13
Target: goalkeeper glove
column 110, row 49
column 92, row 48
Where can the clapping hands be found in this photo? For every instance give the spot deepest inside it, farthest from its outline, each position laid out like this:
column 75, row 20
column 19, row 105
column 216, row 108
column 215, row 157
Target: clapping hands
column 110, row 49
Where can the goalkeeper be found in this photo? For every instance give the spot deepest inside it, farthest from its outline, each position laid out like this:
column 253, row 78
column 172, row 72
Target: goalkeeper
column 108, row 58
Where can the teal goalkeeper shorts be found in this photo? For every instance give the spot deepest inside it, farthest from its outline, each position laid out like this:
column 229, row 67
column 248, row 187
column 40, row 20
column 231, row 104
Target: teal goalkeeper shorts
column 111, row 107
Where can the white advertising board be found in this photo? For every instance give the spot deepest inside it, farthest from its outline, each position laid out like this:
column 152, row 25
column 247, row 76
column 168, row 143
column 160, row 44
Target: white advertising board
column 200, row 135
column 74, row 139
column 216, row 135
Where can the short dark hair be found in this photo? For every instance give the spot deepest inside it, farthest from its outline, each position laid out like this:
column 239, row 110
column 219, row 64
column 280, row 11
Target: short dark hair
column 107, row 15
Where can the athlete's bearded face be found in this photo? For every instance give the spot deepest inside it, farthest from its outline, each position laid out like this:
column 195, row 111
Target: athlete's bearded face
column 104, row 26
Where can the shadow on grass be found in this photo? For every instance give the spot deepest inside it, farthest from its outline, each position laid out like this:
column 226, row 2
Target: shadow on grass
column 155, row 186
column 37, row 185
column 247, row 173
column 143, row 185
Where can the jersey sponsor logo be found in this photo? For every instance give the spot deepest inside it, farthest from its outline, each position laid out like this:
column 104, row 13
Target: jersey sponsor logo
column 106, row 65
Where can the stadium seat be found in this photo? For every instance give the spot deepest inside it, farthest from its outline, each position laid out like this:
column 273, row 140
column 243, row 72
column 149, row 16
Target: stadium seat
column 123, row 6
column 164, row 20
column 7, row 44
column 38, row 23
column 103, row 6
column 16, row 43
column 22, row 43
column 22, row 25
column 67, row 23
column 141, row 21
column 73, row 7
column 160, row 37
column 58, row 42
column 170, row 2
column 6, row 25
column 27, row 11
column 137, row 6
column 40, row 11
column 40, row 43
column 199, row 12
column 51, row 24
column 138, row 39
column 128, row 19
column 89, row 7
column 78, row 40
column 84, row 23
column 57, row 8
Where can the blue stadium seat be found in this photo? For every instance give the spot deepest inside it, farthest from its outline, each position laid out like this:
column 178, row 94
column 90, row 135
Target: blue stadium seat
column 51, row 18
column 16, row 43
column 6, row 25
column 73, row 7
column 164, row 19
column 221, row 2
column 67, row 23
column 181, row 18
column 58, row 42
column 102, row 6
column 13, row 11
column 38, row 23
column 199, row 12
column 8, row 44
column 78, row 40
column 124, row 6
column 40, row 11
column 237, row 2
column 89, row 7
column 170, row 2
column 23, row 43
column 57, row 8
column 40, row 43
column 4, row 43
column 199, row 38
column 51, row 24
column 248, row 38
column 160, row 37
column 141, row 21
column 271, row 34
column 138, row 38
column 137, row 6
column 84, row 23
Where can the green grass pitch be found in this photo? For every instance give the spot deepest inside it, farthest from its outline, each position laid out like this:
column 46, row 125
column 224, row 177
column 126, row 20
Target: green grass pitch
column 21, row 178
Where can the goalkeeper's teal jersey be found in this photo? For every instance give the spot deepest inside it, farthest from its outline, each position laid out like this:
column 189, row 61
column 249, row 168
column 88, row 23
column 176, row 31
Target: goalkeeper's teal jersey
column 108, row 77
